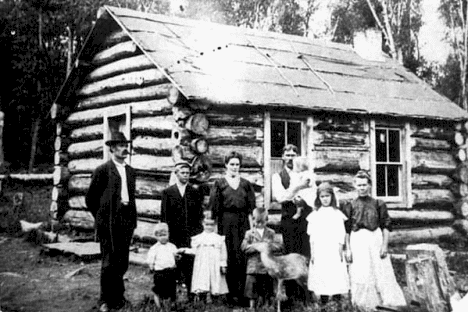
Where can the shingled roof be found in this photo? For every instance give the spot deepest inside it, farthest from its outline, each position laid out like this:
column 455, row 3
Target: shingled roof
column 231, row 65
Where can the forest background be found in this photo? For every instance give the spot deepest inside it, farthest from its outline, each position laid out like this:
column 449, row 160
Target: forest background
column 40, row 40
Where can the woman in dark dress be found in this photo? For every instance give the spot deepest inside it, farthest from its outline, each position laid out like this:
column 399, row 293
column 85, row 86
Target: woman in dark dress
column 232, row 200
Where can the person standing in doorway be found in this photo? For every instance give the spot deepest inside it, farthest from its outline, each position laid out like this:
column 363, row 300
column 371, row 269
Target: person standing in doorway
column 111, row 200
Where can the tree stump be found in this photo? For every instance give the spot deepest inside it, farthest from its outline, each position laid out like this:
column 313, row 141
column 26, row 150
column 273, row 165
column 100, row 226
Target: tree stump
column 428, row 278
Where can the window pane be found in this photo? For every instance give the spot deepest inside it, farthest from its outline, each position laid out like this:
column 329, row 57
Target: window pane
column 394, row 145
column 294, row 135
column 381, row 183
column 381, row 144
column 278, row 139
column 393, row 180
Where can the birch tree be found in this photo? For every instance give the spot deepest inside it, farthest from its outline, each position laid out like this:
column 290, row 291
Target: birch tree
column 454, row 14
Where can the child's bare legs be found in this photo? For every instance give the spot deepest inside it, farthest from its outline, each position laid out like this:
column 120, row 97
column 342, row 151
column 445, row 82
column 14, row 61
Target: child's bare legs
column 252, row 304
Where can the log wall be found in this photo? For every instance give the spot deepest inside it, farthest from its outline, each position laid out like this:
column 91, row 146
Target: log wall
column 165, row 127
column 121, row 79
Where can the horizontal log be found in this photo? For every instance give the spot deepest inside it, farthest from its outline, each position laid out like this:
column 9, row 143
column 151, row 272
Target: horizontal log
column 432, row 162
column 234, row 135
column 129, row 80
column 119, row 51
column 433, row 130
column 340, row 139
column 341, row 160
column 148, row 207
column 431, row 196
column 87, row 133
column 119, row 97
column 145, row 207
column 234, row 118
column 411, row 236
column 146, row 187
column 85, row 149
column 139, row 109
column 116, row 37
column 252, row 156
column 430, row 144
column 135, row 63
column 160, row 126
column 144, row 144
column 84, row 164
column 424, row 181
column 344, row 181
column 79, row 219
column 79, row 183
column 421, row 215
column 61, row 175
column 342, row 123
column 152, row 163
column 145, row 231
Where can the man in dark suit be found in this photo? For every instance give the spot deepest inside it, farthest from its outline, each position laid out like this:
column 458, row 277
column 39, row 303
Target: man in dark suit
column 182, row 210
column 111, row 200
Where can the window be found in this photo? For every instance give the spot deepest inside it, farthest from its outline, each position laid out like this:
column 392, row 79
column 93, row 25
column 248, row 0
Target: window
column 391, row 163
column 388, row 162
column 116, row 120
column 284, row 132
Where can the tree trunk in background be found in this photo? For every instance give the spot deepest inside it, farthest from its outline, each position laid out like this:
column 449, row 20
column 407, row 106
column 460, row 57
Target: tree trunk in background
column 2, row 122
column 34, row 139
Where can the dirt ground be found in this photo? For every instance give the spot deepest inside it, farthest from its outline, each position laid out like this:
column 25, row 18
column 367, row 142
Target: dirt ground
column 33, row 281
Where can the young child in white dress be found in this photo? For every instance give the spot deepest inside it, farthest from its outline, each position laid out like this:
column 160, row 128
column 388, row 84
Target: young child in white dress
column 328, row 275
column 209, row 268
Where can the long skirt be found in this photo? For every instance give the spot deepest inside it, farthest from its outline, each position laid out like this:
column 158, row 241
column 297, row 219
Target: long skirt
column 373, row 281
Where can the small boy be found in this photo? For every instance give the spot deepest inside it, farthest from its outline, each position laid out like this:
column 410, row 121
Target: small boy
column 258, row 283
column 162, row 263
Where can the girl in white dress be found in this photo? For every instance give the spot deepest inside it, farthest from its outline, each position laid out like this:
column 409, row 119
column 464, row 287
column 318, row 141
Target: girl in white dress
column 327, row 271
column 210, row 263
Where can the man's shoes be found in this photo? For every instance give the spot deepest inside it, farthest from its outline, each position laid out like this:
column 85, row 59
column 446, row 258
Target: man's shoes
column 103, row 308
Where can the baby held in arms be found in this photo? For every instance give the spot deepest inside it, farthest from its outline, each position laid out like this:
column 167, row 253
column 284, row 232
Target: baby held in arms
column 308, row 194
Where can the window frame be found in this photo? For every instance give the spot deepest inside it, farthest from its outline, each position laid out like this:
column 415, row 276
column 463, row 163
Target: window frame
column 403, row 200
column 306, row 147
column 125, row 127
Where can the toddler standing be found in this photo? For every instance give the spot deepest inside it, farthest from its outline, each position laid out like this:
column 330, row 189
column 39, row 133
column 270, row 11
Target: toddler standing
column 327, row 271
column 258, row 283
column 210, row 263
column 162, row 263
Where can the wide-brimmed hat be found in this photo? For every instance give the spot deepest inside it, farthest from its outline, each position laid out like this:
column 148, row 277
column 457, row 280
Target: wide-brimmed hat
column 117, row 137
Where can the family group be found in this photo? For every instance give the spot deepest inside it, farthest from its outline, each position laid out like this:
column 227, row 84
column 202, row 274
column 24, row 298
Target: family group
column 212, row 250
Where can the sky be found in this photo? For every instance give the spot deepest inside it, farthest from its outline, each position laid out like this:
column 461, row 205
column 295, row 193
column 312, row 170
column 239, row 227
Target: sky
column 432, row 45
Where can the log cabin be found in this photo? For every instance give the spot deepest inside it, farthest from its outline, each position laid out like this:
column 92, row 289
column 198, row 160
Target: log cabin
column 196, row 90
